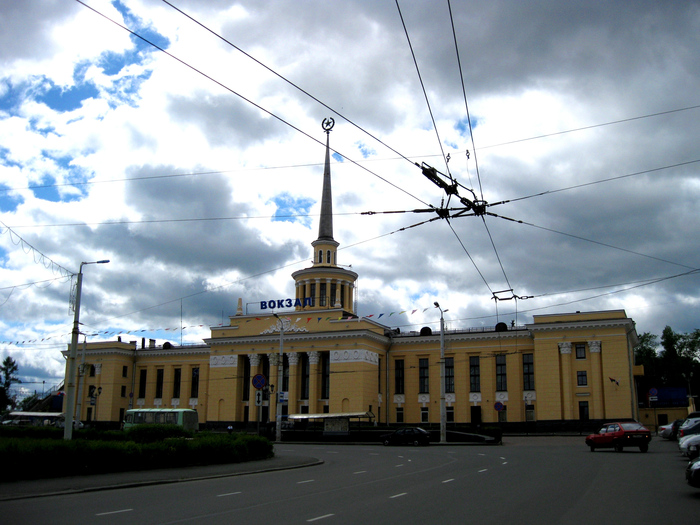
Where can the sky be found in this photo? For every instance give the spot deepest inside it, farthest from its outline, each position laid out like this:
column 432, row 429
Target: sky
column 191, row 157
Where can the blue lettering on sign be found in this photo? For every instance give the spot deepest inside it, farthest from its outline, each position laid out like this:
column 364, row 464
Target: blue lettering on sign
column 285, row 303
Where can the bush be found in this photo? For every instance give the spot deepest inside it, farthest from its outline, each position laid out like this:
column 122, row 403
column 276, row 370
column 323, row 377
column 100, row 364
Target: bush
column 28, row 458
column 155, row 433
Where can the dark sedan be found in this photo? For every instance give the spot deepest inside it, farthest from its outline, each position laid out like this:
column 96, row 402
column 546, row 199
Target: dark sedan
column 619, row 436
column 407, row 436
column 692, row 473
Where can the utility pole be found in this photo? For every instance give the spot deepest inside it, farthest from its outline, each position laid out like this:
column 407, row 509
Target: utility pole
column 70, row 383
column 443, row 409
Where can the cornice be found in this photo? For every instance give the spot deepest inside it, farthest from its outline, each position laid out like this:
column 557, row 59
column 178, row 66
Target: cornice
column 299, row 337
column 581, row 325
column 324, row 269
column 461, row 336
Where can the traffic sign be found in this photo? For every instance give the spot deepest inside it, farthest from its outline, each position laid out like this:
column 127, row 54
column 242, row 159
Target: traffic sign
column 258, row 398
column 498, row 406
column 259, row 381
column 653, row 392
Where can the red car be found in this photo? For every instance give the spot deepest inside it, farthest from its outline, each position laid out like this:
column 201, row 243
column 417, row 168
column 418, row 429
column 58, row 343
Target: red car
column 619, row 436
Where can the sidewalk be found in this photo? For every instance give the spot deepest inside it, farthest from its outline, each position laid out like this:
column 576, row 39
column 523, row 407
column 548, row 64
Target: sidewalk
column 74, row 484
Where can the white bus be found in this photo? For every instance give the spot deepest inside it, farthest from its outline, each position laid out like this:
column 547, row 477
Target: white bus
column 182, row 417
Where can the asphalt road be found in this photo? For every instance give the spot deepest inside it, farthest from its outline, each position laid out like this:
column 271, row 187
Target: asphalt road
column 538, row 480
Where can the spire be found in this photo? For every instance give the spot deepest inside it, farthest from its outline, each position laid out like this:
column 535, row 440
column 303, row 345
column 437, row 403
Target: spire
column 325, row 228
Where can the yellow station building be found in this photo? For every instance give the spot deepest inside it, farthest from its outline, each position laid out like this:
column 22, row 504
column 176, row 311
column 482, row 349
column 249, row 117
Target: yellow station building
column 562, row 368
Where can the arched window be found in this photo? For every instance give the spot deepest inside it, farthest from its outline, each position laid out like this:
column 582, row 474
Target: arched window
column 320, row 256
column 328, row 257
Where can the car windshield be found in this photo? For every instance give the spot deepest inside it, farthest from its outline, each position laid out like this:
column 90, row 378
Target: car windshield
column 689, row 422
column 632, row 426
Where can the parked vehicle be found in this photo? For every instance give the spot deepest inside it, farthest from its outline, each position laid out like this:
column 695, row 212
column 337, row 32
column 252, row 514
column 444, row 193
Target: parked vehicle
column 692, row 473
column 183, row 417
column 619, row 436
column 692, row 446
column 670, row 431
column 683, row 443
column 407, row 436
column 689, row 426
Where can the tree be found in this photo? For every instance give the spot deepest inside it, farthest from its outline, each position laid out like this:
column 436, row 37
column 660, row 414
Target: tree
column 8, row 369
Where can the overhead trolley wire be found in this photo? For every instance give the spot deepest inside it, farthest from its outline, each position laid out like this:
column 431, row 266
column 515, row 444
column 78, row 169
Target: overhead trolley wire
column 466, row 104
column 249, row 101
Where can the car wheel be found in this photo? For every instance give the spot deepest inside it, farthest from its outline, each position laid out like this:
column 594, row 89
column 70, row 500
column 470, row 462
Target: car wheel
column 416, row 443
column 618, row 447
column 386, row 443
column 592, row 448
column 643, row 448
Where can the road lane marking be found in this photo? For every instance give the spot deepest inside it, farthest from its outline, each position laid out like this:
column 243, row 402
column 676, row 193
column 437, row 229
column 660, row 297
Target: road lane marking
column 227, row 494
column 320, row 518
column 398, row 495
column 360, row 472
column 448, row 480
column 483, row 470
column 114, row 512
column 306, row 481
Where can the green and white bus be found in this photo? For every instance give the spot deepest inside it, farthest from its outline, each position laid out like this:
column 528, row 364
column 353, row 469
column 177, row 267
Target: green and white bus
column 182, row 417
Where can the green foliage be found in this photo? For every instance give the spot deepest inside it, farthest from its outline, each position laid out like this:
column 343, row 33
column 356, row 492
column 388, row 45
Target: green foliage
column 31, row 457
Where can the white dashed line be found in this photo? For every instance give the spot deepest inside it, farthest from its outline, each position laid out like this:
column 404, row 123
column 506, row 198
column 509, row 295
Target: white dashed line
column 114, row 512
column 398, row 495
column 306, row 481
column 227, row 494
column 320, row 518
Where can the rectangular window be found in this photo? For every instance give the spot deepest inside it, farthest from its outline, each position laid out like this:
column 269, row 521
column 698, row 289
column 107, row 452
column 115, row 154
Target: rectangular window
column 423, row 376
column 398, row 376
column 322, row 295
column 580, row 351
column 194, row 387
column 285, row 375
column 501, row 383
column 125, row 371
column 424, row 415
column 305, row 373
column 450, row 414
column 379, row 377
column 142, row 383
column 334, row 291
column 399, row 414
column 450, row 375
column 582, row 378
column 123, row 390
column 474, row 374
column 159, row 383
column 246, row 379
column 503, row 415
column 325, row 375
column 312, row 293
column 122, row 411
column 583, row 414
column 528, row 372
column 529, row 412
column 177, row 379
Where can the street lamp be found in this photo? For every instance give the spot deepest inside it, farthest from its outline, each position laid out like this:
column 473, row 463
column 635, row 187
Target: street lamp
column 70, row 384
column 443, row 410
column 280, row 367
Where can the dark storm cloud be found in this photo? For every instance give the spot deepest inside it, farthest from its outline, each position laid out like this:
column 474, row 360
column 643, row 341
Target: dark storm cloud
column 227, row 121
column 25, row 27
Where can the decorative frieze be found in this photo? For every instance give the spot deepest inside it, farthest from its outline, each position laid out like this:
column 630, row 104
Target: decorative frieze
column 354, row 356
column 223, row 361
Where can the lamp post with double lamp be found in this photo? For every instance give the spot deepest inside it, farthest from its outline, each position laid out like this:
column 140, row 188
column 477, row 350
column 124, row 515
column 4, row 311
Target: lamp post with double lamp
column 280, row 367
column 443, row 409
column 70, row 382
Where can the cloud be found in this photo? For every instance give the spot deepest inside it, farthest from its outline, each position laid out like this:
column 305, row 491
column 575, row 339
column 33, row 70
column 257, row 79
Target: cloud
column 584, row 120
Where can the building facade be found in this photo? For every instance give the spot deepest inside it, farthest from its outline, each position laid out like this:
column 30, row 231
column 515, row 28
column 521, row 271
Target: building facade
column 561, row 368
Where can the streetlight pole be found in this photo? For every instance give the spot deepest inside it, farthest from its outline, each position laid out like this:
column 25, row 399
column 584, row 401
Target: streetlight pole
column 280, row 367
column 443, row 409
column 70, row 384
